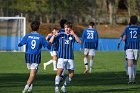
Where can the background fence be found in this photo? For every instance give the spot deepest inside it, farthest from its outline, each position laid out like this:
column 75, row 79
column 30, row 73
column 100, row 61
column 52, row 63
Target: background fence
column 105, row 44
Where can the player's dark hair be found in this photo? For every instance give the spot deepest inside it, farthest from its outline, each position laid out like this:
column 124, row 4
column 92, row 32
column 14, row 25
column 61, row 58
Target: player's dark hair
column 35, row 25
column 69, row 24
column 62, row 22
column 133, row 19
column 92, row 24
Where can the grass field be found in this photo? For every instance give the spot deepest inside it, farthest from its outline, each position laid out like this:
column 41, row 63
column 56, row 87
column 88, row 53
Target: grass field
column 108, row 75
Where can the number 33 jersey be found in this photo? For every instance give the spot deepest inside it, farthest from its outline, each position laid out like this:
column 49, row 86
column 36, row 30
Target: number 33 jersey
column 89, row 38
column 34, row 42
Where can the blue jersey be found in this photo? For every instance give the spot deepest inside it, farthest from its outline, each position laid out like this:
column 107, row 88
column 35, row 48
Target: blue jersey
column 34, row 42
column 66, row 45
column 54, row 46
column 90, row 39
column 132, row 34
column 61, row 30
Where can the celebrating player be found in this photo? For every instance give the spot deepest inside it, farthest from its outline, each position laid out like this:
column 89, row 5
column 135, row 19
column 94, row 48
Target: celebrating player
column 34, row 42
column 53, row 50
column 65, row 55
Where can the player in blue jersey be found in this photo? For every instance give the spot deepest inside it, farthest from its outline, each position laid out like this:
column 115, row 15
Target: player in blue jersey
column 53, row 50
column 118, row 46
column 65, row 55
column 34, row 42
column 89, row 44
column 132, row 46
column 61, row 30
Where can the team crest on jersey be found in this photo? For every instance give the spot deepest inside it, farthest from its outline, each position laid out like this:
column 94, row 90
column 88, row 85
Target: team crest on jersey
column 70, row 38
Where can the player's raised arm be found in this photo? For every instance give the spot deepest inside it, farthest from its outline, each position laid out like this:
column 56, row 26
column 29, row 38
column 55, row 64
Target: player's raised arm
column 76, row 37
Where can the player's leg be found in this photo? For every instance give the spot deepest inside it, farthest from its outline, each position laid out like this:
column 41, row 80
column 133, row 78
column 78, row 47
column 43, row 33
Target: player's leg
column 126, row 66
column 54, row 60
column 60, row 66
column 86, row 51
column 136, row 55
column 70, row 67
column 130, row 58
column 64, row 70
column 91, row 55
column 33, row 71
column 48, row 62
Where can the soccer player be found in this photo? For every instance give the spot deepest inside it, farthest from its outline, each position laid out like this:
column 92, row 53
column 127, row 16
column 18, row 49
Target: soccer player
column 65, row 55
column 118, row 46
column 89, row 44
column 53, row 50
column 34, row 42
column 61, row 30
column 132, row 45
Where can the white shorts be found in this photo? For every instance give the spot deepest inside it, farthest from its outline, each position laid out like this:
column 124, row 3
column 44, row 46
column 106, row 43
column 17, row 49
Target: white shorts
column 53, row 53
column 32, row 66
column 65, row 64
column 91, row 52
column 132, row 54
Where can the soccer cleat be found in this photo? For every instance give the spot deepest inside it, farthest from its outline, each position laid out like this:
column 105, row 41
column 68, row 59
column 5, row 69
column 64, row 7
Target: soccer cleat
column 29, row 91
column 57, row 90
column 86, row 71
column 90, row 71
column 130, row 82
column 24, row 91
column 63, row 89
column 44, row 66
column 133, row 82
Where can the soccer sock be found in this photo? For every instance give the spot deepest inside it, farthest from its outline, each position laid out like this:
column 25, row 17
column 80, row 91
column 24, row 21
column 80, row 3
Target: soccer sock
column 31, row 87
column 126, row 67
column 49, row 62
column 26, row 87
column 91, row 65
column 67, row 81
column 86, row 63
column 134, row 71
column 130, row 73
column 54, row 65
column 57, row 81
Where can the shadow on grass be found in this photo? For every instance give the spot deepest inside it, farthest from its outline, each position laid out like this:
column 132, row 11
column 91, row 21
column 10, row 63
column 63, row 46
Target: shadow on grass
column 79, row 80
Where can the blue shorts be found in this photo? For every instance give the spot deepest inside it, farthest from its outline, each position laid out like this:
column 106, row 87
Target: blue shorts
column 32, row 58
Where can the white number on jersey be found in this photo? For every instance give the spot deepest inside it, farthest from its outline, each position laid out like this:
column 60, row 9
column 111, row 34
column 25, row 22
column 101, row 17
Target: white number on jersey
column 133, row 34
column 90, row 35
column 33, row 44
column 66, row 41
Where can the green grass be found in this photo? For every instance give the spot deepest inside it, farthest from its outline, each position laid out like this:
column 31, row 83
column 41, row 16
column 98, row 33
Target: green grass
column 108, row 75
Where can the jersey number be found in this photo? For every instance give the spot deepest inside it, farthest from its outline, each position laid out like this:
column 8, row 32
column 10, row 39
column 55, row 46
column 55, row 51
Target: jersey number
column 89, row 35
column 33, row 44
column 66, row 41
column 133, row 34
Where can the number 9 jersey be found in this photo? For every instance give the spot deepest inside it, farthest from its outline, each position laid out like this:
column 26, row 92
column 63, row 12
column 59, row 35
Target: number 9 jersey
column 132, row 34
column 34, row 42
column 90, row 38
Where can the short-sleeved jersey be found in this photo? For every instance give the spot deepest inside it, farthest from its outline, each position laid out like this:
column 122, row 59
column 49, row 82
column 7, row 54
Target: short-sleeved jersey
column 53, row 46
column 132, row 34
column 89, row 39
column 34, row 42
column 66, row 45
